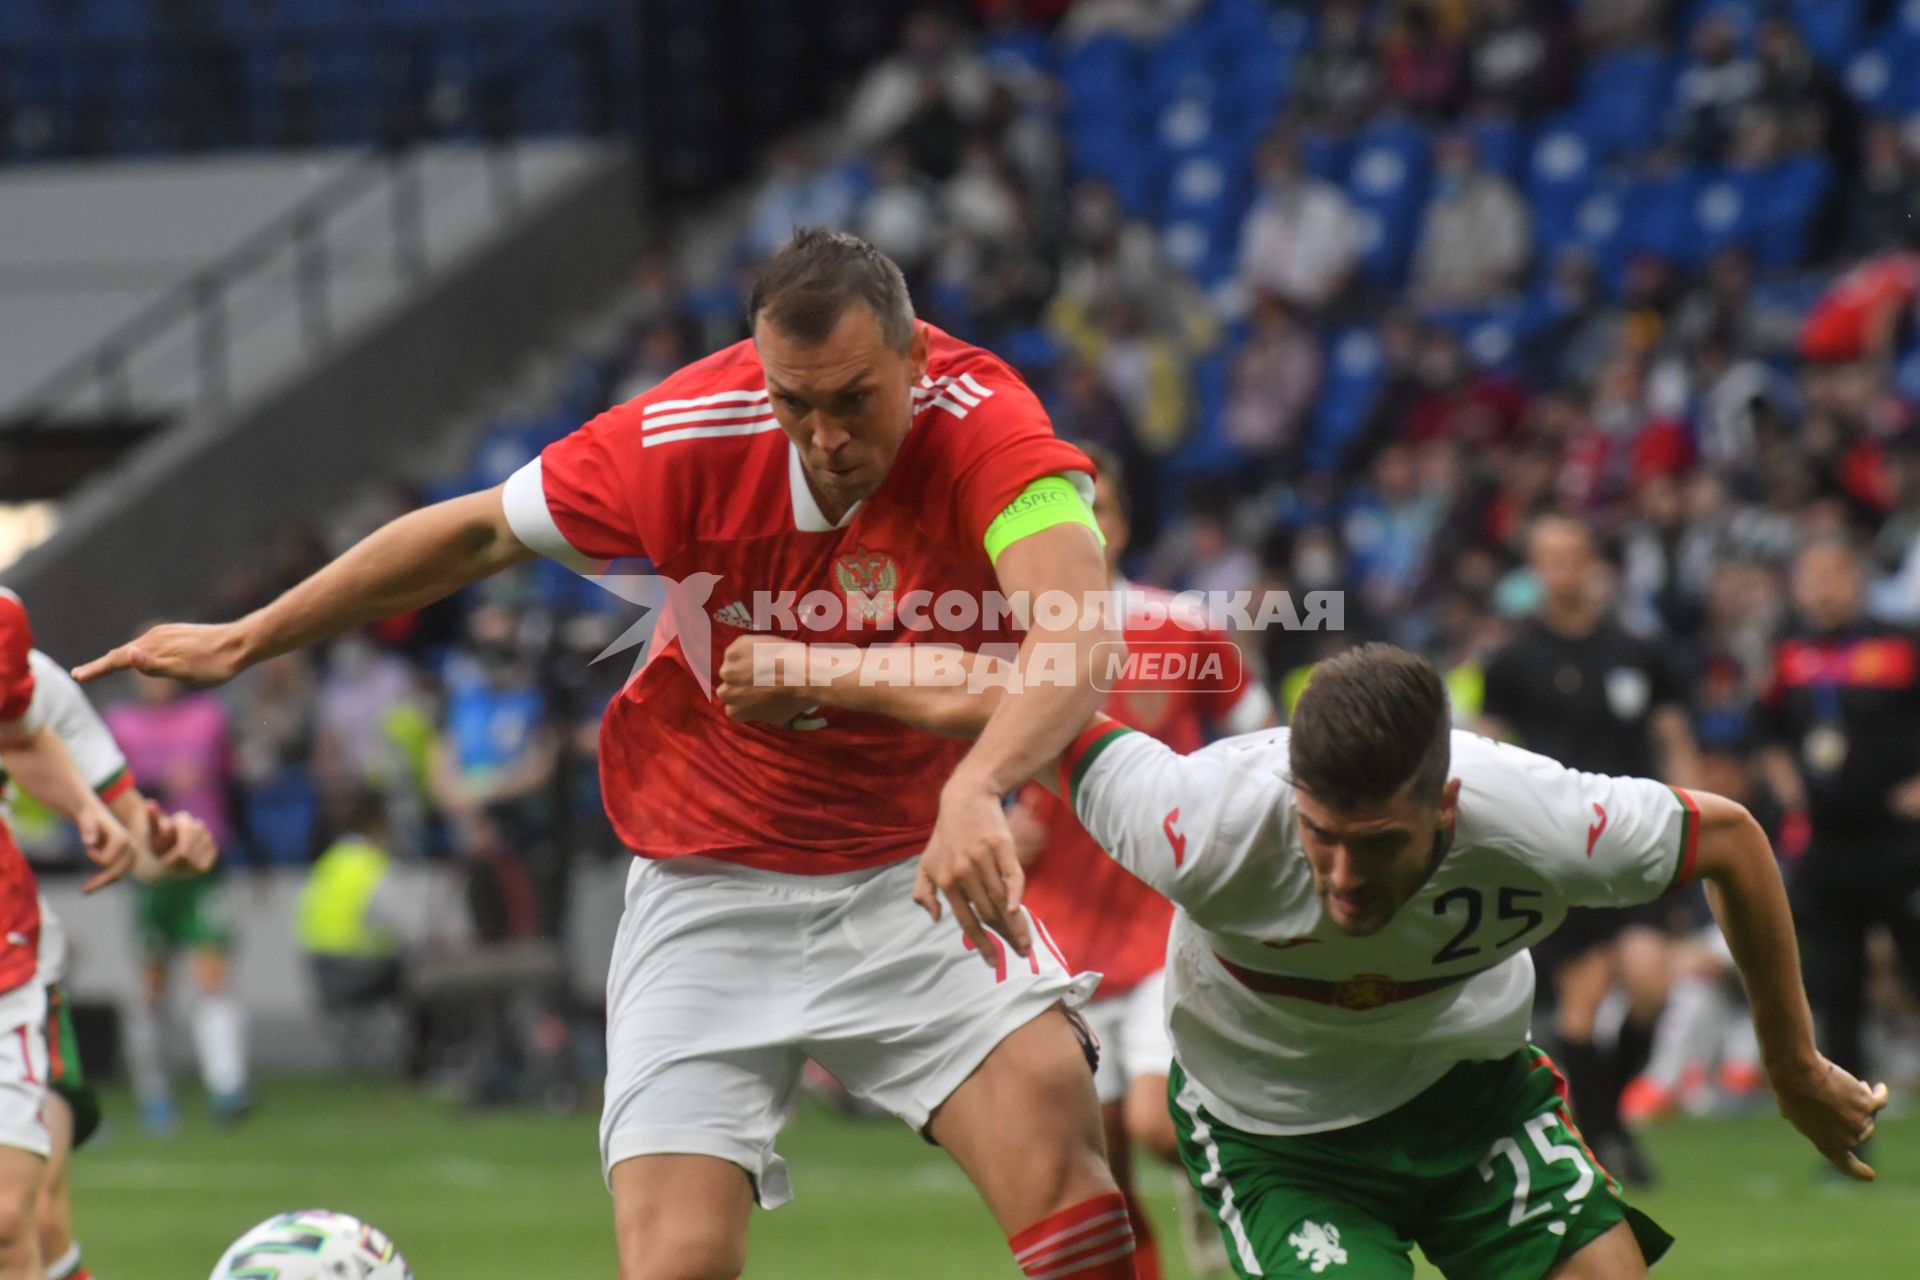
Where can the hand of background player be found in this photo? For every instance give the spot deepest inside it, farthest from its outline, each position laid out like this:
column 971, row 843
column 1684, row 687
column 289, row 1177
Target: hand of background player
column 182, row 845
column 756, row 677
column 971, row 861
column 1835, row 1111
column 107, row 845
column 189, row 652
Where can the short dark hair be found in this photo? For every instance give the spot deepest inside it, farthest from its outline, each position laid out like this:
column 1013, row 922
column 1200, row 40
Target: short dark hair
column 1371, row 720
column 807, row 286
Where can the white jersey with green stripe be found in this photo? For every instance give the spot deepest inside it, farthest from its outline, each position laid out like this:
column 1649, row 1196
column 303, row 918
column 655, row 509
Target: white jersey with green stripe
column 59, row 699
column 1284, row 1024
column 62, row 705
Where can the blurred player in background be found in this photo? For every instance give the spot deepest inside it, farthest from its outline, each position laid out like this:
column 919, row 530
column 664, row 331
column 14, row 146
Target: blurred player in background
column 1575, row 686
column 846, row 449
column 1100, row 914
column 38, row 764
column 178, row 744
column 1842, row 721
column 166, row 846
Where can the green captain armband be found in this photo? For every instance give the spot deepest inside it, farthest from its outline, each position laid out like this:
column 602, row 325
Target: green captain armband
column 1048, row 501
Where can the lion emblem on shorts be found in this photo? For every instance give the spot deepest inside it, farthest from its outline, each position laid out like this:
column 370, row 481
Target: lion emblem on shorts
column 867, row 579
column 1318, row 1245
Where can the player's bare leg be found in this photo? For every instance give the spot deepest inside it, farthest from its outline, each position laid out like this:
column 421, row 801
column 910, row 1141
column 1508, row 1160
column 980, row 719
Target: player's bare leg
column 54, row 1212
column 20, row 1175
column 1613, row 1256
column 1149, row 1120
column 681, row 1217
column 1026, row 1129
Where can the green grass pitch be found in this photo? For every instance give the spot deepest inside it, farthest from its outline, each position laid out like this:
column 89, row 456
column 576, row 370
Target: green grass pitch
column 518, row 1196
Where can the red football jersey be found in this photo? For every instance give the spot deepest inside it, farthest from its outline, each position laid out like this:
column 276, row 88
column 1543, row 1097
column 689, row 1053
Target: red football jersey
column 1100, row 914
column 19, row 899
column 697, row 477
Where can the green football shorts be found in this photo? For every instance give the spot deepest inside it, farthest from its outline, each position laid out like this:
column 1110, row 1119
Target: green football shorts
column 182, row 915
column 1484, row 1171
column 64, row 1075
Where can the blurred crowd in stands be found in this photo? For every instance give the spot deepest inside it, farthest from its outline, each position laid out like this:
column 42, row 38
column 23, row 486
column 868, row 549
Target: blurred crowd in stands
column 1354, row 289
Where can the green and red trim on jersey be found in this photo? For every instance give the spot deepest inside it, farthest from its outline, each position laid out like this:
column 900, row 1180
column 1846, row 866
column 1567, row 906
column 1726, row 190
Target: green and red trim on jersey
column 1083, row 751
column 1689, row 840
column 1359, row 993
column 115, row 786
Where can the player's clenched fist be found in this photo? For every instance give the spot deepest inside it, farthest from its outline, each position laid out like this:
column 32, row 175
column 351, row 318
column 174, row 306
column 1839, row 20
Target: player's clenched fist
column 763, row 680
column 189, row 652
column 972, row 863
column 1835, row 1111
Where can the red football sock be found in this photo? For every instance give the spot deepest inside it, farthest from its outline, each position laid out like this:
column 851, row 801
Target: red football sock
column 1146, row 1254
column 1092, row 1240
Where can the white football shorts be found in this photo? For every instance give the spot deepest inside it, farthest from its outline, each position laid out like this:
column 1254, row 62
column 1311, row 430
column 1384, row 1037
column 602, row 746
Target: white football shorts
column 726, row 979
column 23, row 1068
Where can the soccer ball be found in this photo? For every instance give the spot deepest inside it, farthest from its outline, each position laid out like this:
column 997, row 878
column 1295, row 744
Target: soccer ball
column 312, row 1244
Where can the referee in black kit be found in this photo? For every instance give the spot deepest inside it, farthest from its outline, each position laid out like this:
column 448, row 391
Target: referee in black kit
column 1841, row 719
column 1574, row 685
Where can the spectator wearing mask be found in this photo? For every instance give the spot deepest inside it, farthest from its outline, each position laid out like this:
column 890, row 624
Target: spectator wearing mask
column 1477, row 237
column 1301, row 239
column 1273, row 382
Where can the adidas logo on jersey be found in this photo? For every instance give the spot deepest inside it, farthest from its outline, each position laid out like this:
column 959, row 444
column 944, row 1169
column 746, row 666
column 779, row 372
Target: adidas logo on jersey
column 735, row 614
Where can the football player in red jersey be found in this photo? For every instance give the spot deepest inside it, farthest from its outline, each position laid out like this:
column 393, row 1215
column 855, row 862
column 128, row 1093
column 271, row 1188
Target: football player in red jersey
column 845, row 458
column 38, row 764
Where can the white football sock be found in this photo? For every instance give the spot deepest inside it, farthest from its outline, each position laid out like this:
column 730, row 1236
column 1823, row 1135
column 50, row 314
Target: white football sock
column 147, row 1053
column 220, row 1041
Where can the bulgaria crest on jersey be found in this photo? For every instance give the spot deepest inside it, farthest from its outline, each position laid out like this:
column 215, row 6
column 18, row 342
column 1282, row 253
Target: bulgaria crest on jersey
column 867, row 579
column 1365, row 991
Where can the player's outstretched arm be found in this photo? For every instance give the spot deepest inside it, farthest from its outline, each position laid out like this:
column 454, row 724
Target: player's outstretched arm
column 939, row 688
column 1835, row 1111
column 406, row 563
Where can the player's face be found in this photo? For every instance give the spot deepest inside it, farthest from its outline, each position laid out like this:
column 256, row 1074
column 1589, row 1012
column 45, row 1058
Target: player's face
column 846, row 403
column 1367, row 864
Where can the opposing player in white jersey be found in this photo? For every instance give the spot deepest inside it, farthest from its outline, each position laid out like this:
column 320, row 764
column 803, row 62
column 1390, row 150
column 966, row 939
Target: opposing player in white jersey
column 167, row 845
column 1348, row 982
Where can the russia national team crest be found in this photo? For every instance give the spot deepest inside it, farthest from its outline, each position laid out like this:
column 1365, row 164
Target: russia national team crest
column 1627, row 692
column 867, row 579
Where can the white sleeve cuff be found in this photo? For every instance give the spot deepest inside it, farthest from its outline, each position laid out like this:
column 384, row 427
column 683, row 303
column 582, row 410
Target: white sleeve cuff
column 524, row 497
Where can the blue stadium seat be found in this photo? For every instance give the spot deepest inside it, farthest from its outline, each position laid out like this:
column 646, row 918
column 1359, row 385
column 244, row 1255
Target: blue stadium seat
column 1258, row 89
column 1622, row 99
column 1790, row 200
column 1490, row 335
column 1502, row 144
column 1354, row 373
column 1560, row 175
column 1657, row 215
column 1387, row 183
column 1884, row 76
column 1832, row 28
column 1726, row 211
column 1207, row 187
column 1182, row 57
column 1326, row 156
